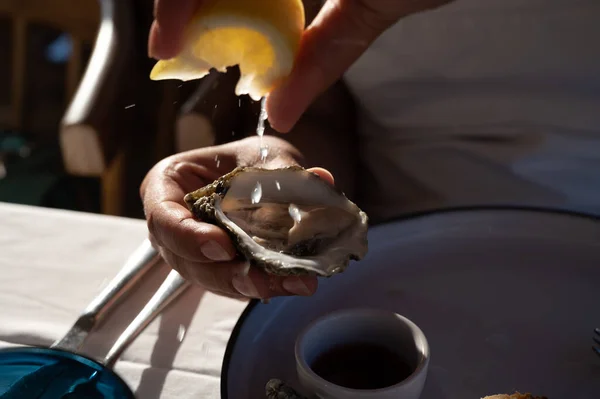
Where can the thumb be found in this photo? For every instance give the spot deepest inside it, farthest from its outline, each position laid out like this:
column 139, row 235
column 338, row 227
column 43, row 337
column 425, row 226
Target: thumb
column 323, row 174
column 341, row 32
column 166, row 32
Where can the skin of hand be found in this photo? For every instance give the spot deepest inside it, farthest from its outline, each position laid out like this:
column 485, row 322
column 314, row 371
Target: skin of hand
column 338, row 36
column 203, row 253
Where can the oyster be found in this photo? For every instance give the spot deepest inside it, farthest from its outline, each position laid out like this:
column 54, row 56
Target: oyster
column 286, row 221
column 277, row 389
column 515, row 396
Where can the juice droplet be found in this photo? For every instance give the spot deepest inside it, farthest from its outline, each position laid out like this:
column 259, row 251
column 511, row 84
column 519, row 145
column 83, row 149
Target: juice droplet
column 181, row 333
column 256, row 194
column 260, row 129
column 295, row 213
column 262, row 117
column 277, row 185
column 245, row 269
column 264, row 152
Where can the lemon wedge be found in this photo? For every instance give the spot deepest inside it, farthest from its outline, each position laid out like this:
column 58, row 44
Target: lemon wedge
column 261, row 36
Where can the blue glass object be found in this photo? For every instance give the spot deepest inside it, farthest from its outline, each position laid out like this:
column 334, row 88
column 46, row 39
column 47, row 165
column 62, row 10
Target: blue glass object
column 59, row 51
column 39, row 373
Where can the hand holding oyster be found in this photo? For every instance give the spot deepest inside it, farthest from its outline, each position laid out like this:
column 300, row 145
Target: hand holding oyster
column 195, row 245
column 286, row 221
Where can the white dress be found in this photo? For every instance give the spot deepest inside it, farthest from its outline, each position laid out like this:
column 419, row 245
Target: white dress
column 482, row 102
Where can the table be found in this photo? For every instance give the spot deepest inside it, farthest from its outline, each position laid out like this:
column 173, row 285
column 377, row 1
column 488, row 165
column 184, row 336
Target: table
column 53, row 262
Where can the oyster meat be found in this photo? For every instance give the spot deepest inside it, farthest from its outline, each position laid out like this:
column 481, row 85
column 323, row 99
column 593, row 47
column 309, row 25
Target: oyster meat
column 286, row 221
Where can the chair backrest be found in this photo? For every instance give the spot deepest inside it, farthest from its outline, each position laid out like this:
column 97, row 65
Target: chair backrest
column 85, row 129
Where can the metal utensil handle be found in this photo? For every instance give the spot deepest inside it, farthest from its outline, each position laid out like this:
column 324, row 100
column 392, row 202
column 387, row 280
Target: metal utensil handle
column 136, row 266
column 173, row 286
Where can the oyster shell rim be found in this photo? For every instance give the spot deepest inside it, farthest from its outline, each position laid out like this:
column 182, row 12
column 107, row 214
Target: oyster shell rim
column 204, row 202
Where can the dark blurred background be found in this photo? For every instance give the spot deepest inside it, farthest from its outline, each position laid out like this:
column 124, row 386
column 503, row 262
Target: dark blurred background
column 33, row 96
column 80, row 121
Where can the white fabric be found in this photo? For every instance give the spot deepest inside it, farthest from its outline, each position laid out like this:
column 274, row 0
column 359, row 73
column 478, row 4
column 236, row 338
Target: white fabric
column 54, row 262
column 481, row 102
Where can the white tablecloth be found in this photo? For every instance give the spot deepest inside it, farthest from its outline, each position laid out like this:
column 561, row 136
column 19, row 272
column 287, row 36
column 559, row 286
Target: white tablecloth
column 52, row 264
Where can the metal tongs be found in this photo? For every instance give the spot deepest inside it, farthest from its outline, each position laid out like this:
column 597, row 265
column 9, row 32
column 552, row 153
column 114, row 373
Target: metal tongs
column 140, row 262
column 135, row 268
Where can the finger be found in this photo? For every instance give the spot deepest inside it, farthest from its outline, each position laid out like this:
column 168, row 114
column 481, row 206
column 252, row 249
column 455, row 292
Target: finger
column 337, row 37
column 237, row 278
column 323, row 174
column 256, row 283
column 153, row 242
column 170, row 222
column 166, row 32
column 259, row 284
column 173, row 226
column 173, row 177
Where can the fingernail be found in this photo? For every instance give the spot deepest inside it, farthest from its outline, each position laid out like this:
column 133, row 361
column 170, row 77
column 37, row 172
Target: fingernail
column 245, row 286
column 214, row 251
column 295, row 285
column 152, row 40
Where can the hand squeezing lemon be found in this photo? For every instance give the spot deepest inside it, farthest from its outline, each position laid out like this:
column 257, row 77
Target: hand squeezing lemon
column 261, row 36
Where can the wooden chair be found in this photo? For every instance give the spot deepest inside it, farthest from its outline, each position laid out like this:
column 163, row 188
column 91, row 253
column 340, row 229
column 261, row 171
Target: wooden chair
column 88, row 136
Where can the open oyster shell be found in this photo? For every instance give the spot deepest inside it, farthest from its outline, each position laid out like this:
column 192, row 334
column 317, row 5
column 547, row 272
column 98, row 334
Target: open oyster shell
column 287, row 221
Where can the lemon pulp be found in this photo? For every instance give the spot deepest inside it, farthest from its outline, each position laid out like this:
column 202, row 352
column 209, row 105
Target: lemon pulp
column 261, row 36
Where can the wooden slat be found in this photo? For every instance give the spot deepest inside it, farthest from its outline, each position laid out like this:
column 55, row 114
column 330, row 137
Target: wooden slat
column 5, row 116
column 112, row 186
column 74, row 68
column 95, row 110
column 166, row 121
column 19, row 58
